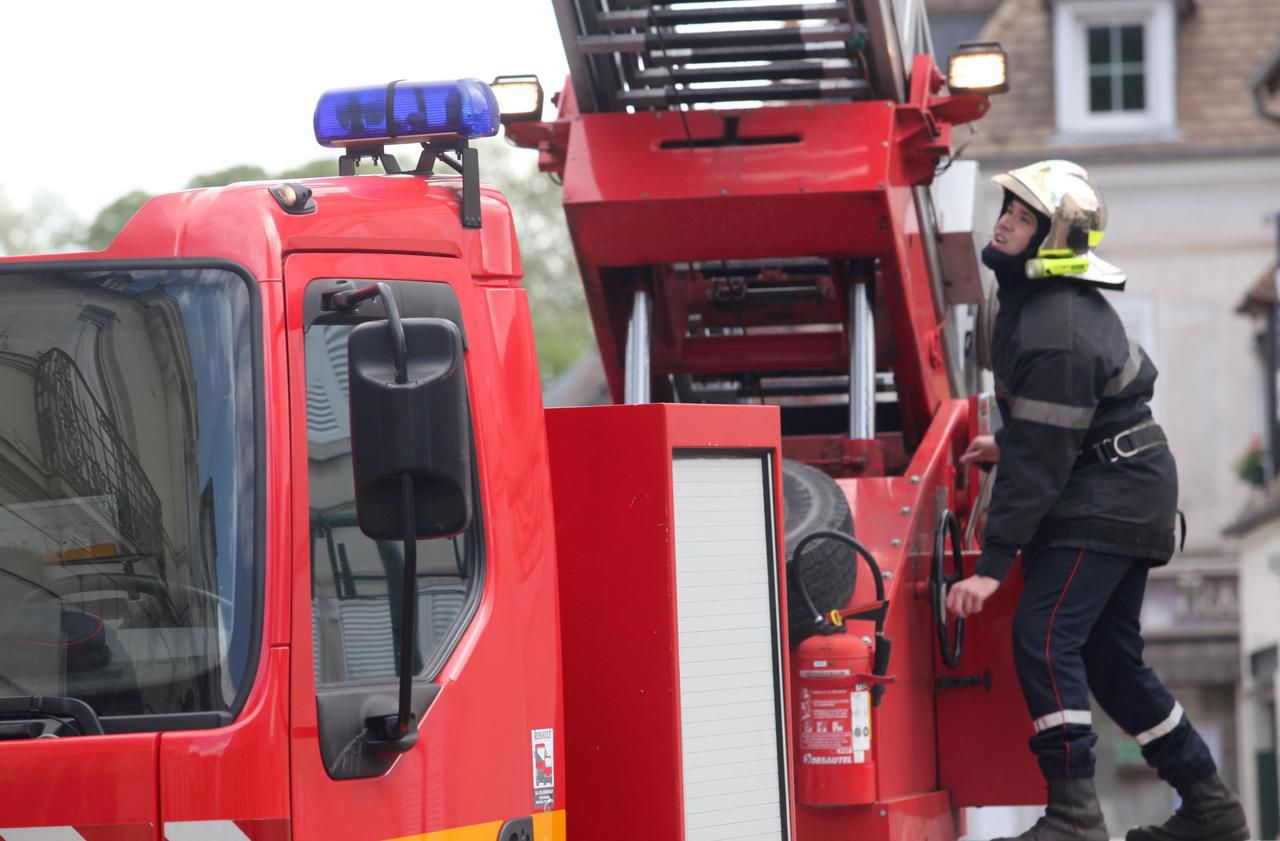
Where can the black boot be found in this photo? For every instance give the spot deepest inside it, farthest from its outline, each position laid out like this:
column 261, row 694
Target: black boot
column 1073, row 814
column 1210, row 811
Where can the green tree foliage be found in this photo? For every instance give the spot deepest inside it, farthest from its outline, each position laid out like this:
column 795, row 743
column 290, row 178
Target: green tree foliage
column 111, row 218
column 230, row 175
column 321, row 168
column 328, row 168
column 561, row 325
column 47, row 225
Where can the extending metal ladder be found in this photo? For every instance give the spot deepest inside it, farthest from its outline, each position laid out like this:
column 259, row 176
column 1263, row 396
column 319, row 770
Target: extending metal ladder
column 718, row 322
column 641, row 55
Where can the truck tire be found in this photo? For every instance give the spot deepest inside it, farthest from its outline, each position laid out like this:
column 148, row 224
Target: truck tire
column 812, row 501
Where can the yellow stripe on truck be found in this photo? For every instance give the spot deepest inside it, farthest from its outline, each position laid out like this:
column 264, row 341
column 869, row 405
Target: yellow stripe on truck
column 547, row 826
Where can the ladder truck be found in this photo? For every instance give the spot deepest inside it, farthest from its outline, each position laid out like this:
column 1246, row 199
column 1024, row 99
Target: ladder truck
column 765, row 207
column 290, row 548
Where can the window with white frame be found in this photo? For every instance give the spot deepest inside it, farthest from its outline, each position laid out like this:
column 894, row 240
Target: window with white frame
column 1115, row 69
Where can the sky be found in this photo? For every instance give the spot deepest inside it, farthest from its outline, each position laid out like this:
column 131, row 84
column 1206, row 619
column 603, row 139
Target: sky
column 98, row 99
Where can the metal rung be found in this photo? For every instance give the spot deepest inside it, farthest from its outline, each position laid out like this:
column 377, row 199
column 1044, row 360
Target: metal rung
column 827, row 89
column 773, row 92
column 778, row 91
column 774, row 71
column 755, row 295
column 642, row 18
column 803, row 386
column 744, row 268
column 777, row 52
column 648, row 4
column 641, row 41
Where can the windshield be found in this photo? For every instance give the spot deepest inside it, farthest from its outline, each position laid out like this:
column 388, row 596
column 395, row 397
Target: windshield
column 127, row 488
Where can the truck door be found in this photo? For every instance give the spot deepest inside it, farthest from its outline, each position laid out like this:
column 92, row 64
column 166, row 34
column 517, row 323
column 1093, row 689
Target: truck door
column 348, row 595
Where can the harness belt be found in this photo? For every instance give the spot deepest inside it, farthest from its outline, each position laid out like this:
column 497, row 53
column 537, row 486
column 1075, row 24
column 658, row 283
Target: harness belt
column 1124, row 445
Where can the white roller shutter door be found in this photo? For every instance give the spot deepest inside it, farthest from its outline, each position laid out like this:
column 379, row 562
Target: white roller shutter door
column 733, row 746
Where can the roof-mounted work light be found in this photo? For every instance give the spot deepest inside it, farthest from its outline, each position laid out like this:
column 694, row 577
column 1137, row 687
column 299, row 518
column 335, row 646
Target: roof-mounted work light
column 519, row 98
column 978, row 67
column 406, row 112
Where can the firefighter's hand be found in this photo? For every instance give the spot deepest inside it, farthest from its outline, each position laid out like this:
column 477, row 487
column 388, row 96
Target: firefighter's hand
column 967, row 597
column 982, row 450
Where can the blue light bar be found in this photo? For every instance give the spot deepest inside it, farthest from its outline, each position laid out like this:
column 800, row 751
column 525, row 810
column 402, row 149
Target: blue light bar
column 416, row 111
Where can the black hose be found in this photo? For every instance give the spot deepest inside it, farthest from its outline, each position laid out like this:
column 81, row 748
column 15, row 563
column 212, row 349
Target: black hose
column 798, row 560
column 883, row 645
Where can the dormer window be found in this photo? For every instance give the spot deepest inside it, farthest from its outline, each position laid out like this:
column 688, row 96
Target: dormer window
column 1115, row 69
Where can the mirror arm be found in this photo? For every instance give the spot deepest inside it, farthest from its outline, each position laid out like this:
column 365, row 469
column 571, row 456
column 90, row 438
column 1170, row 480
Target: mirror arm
column 408, row 610
column 348, row 300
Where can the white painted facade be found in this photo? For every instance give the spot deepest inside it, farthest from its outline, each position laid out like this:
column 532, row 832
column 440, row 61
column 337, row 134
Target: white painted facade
column 1259, row 722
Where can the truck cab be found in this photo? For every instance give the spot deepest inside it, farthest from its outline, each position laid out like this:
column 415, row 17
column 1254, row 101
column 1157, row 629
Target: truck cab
column 197, row 637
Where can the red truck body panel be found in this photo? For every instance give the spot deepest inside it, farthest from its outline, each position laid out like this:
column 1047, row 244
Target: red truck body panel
column 834, row 189
column 617, row 527
column 472, row 767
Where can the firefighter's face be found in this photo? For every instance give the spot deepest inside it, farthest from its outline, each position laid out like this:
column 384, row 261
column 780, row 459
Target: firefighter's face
column 1015, row 228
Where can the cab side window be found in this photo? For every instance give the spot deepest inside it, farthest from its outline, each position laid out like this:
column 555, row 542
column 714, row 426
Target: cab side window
column 357, row 581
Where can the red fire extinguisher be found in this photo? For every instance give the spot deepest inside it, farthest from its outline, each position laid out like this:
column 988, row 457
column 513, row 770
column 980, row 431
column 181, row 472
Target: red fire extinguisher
column 837, row 678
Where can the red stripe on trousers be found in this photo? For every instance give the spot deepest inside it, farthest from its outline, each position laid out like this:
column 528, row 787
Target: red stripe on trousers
column 1048, row 659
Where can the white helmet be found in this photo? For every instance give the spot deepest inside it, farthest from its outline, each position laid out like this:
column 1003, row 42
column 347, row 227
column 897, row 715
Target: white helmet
column 1063, row 192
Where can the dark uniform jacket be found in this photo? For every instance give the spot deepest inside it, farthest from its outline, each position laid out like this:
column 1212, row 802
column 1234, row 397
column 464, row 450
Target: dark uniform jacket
column 1067, row 377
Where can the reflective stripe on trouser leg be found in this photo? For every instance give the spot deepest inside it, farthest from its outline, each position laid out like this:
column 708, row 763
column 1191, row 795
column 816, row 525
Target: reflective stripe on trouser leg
column 1059, row 719
column 1177, row 752
column 1164, row 728
column 1133, row 695
column 1064, row 594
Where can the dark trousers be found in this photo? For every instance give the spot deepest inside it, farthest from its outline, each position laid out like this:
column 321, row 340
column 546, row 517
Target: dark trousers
column 1076, row 629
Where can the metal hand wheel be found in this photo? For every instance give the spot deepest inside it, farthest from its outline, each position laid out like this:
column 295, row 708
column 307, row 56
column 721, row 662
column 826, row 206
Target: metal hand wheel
column 950, row 633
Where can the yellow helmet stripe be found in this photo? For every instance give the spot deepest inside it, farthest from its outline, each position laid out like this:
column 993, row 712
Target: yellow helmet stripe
column 1058, row 266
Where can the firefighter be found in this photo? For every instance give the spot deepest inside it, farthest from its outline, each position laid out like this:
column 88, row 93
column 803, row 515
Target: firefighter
column 1087, row 491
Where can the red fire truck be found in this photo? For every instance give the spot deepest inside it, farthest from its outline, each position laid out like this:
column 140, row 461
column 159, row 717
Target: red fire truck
column 289, row 547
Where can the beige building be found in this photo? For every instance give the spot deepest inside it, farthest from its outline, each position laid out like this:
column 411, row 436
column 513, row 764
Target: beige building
column 1259, row 533
column 1258, row 528
column 1152, row 97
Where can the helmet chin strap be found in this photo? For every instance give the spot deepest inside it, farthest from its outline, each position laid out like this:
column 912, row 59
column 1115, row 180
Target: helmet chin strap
column 1009, row 269
column 996, row 260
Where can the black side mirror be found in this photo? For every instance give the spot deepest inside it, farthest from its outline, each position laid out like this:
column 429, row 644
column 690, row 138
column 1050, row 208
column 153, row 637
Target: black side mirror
column 411, row 454
column 416, row 428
